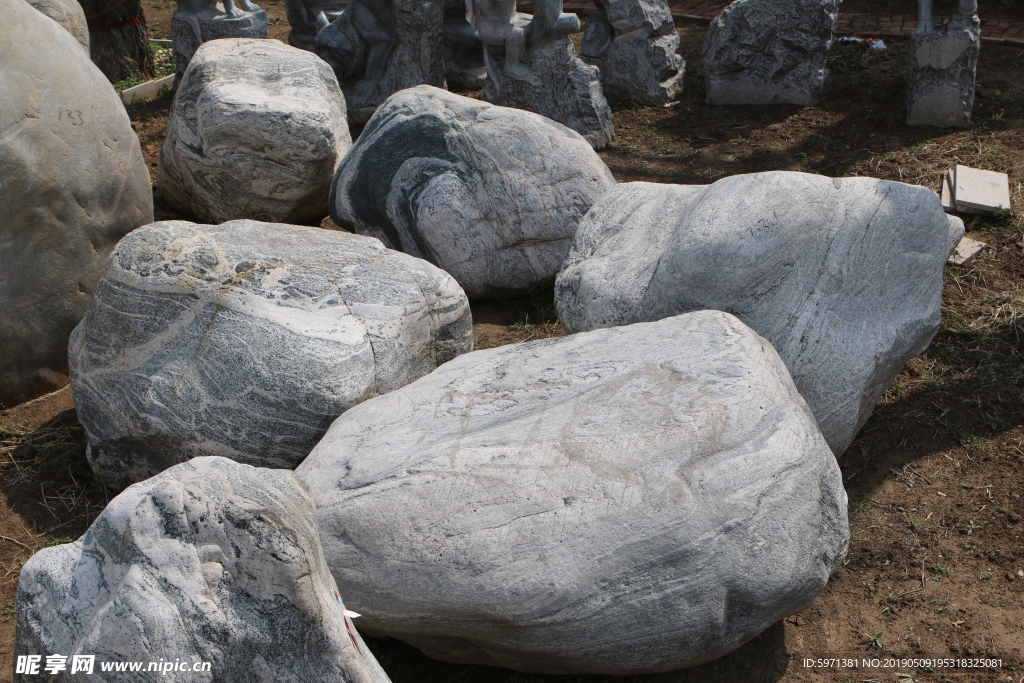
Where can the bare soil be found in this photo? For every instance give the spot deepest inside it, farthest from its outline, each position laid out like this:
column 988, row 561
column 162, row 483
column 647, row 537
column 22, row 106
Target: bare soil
column 936, row 560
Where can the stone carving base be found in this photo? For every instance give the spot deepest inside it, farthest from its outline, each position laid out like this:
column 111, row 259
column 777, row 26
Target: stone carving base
column 213, row 24
column 634, row 43
column 940, row 74
column 769, row 52
column 561, row 87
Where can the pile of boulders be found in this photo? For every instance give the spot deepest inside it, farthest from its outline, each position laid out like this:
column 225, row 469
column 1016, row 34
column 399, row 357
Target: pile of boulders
column 645, row 494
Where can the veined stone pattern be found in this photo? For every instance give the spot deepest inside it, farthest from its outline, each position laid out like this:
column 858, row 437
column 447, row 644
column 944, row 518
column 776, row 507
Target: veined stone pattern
column 247, row 339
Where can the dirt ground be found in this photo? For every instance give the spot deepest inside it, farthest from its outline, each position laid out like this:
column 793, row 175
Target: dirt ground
column 936, row 561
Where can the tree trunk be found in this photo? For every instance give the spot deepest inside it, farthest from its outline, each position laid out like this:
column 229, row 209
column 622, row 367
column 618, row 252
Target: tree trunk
column 119, row 38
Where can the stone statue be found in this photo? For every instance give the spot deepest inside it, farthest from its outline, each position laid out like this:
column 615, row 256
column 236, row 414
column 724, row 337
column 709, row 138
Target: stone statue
column 303, row 14
column 378, row 47
column 493, row 21
column 941, row 64
column 190, row 11
column 926, row 15
column 198, row 21
column 359, row 42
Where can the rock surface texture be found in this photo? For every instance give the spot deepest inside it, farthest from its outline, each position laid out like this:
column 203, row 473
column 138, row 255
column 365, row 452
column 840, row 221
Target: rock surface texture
column 378, row 47
column 69, row 14
column 72, row 183
column 940, row 73
column 634, row 44
column 622, row 501
column 247, row 339
column 490, row 194
column 843, row 276
column 561, row 86
column 243, row 142
column 189, row 30
column 769, row 51
column 211, row 561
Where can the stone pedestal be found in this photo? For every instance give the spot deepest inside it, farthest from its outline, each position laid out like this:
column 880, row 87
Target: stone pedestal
column 940, row 74
column 769, row 52
column 212, row 23
column 634, row 43
column 559, row 85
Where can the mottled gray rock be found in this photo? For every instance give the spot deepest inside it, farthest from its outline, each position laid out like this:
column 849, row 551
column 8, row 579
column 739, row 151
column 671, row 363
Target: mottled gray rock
column 769, row 51
column 378, row 47
column 247, row 339
column 490, row 194
column 555, row 83
column 69, row 14
column 243, row 142
column 621, row 501
column 940, row 73
column 72, row 183
column 210, row 561
column 199, row 21
column 843, row 276
column 634, row 44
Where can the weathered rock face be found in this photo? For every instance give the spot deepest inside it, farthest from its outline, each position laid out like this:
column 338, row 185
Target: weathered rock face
column 940, row 73
column 243, row 142
column 621, row 501
column 190, row 29
column 247, row 339
column 69, row 14
column 378, row 47
column 843, row 276
column 211, row 561
column 769, row 51
column 634, row 44
column 559, row 85
column 73, row 183
column 490, row 194
column 463, row 49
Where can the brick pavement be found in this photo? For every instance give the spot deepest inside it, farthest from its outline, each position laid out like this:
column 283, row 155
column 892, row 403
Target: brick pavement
column 863, row 25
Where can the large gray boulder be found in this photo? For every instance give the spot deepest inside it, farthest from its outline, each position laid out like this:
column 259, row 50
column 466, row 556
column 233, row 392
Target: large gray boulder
column 69, row 14
column 843, row 276
column 490, row 194
column 72, row 183
column 244, row 142
column 634, row 43
column 210, row 561
column 247, row 339
column 769, row 51
column 623, row 501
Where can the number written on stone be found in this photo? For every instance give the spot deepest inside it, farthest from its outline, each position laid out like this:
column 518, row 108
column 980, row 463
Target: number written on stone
column 74, row 116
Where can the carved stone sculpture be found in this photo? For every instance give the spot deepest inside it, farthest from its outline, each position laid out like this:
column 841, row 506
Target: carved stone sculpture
column 303, row 14
column 941, row 67
column 548, row 78
column 769, row 51
column 197, row 21
column 377, row 47
column 463, row 49
column 634, row 43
